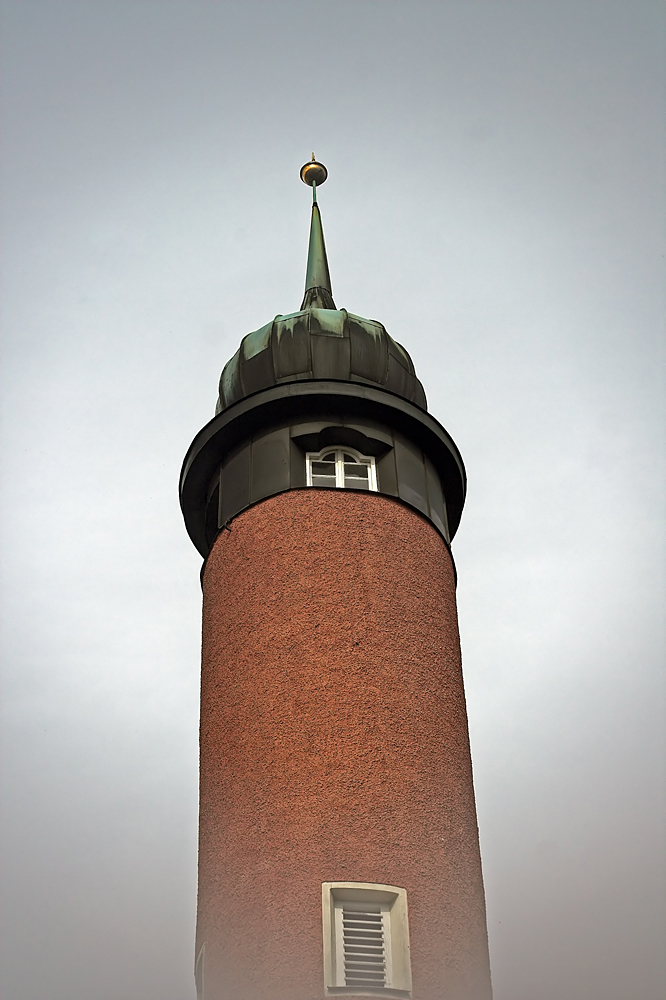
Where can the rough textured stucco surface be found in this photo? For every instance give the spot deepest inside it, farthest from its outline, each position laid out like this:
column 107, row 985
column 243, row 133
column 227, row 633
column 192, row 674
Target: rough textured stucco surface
column 334, row 745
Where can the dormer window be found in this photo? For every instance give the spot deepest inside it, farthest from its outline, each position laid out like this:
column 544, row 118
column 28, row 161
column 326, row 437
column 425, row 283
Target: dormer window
column 341, row 468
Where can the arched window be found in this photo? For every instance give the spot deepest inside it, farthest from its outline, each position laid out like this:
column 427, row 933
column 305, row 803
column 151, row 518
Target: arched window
column 341, row 468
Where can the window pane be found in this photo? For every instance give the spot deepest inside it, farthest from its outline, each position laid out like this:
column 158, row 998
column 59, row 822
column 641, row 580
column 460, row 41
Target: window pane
column 323, row 474
column 356, row 475
column 322, row 470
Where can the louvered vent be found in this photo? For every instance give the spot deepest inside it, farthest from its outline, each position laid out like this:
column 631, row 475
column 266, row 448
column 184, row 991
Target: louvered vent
column 366, row 940
column 364, row 947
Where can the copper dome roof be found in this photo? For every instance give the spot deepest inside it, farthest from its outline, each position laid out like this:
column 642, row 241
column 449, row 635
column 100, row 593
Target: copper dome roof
column 319, row 342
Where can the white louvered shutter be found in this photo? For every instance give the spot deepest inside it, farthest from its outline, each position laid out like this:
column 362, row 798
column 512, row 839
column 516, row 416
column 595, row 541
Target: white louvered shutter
column 364, row 959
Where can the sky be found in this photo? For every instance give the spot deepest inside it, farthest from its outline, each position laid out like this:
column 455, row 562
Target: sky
column 495, row 198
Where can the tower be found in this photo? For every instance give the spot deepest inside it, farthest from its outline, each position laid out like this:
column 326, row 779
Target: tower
column 338, row 845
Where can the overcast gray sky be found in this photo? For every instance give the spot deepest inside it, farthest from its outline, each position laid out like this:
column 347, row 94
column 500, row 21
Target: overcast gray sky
column 495, row 199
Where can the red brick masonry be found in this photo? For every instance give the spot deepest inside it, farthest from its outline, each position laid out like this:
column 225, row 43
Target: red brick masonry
column 334, row 745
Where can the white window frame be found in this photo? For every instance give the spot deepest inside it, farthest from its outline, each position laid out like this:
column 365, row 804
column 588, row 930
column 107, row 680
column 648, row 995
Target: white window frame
column 392, row 903
column 340, row 452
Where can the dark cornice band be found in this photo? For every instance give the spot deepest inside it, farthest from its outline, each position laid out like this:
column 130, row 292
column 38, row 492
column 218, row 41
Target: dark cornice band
column 313, row 399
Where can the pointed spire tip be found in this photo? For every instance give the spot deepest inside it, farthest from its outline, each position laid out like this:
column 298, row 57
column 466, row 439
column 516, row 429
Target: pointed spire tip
column 317, row 277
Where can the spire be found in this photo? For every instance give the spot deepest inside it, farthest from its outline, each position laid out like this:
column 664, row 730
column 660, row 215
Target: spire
column 317, row 278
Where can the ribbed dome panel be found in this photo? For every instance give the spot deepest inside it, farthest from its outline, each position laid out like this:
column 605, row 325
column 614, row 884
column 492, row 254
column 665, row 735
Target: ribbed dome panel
column 319, row 344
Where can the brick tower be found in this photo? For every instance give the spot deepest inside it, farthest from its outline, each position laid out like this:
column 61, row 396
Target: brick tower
column 338, row 845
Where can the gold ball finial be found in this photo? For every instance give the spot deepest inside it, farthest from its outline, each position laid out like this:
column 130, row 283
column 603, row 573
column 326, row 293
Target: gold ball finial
column 313, row 172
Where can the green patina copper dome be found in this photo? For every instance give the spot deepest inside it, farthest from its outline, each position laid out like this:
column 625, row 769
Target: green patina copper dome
column 319, row 342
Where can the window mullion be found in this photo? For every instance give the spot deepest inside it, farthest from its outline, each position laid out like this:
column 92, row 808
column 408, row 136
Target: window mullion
column 340, row 468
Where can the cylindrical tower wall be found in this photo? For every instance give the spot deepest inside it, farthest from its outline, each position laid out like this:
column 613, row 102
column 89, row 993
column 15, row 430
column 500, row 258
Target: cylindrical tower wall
column 334, row 745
